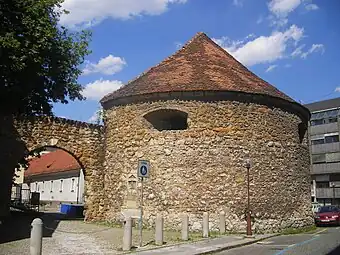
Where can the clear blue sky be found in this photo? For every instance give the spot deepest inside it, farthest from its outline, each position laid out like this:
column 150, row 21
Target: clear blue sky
column 292, row 44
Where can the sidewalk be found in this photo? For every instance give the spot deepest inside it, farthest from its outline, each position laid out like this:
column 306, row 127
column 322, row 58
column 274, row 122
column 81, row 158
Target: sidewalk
column 206, row 246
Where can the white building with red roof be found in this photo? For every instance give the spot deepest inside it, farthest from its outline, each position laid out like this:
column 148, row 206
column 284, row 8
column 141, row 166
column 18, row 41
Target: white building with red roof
column 57, row 176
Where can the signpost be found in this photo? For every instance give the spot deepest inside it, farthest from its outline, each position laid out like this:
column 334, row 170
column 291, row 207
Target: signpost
column 142, row 172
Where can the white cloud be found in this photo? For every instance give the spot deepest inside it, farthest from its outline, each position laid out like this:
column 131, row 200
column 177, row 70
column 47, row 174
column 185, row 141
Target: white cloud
column 178, row 45
column 311, row 7
column 99, row 88
column 271, row 68
column 263, row 49
column 337, row 89
column 108, row 65
column 92, row 12
column 315, row 48
column 238, row 3
column 93, row 118
column 259, row 20
column 298, row 52
column 282, row 8
column 97, row 117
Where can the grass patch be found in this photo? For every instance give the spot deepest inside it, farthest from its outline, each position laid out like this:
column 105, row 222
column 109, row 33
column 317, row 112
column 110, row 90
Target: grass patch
column 294, row 231
column 106, row 224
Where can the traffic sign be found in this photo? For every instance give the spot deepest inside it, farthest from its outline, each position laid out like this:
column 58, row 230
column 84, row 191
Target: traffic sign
column 143, row 168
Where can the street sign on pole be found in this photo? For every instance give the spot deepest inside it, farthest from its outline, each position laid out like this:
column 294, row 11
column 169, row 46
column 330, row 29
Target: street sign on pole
column 143, row 168
column 142, row 172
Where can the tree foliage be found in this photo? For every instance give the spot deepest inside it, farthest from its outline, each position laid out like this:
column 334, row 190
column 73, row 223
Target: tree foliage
column 39, row 59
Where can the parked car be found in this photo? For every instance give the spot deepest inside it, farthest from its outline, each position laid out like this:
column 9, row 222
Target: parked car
column 327, row 215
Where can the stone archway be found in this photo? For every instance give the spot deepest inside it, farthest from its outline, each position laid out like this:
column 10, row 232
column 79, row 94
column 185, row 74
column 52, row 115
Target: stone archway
column 82, row 140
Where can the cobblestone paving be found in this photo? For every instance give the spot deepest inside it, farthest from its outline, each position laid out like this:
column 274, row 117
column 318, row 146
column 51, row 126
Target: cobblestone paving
column 77, row 237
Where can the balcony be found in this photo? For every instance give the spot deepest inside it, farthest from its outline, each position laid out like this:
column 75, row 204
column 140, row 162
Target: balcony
column 323, row 129
column 326, row 147
column 326, row 168
column 328, row 192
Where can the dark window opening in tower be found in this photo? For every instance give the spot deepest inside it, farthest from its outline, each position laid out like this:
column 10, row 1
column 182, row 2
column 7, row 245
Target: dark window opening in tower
column 168, row 119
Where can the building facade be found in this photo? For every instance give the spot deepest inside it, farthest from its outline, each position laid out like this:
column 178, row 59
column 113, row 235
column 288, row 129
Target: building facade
column 57, row 176
column 325, row 151
column 197, row 117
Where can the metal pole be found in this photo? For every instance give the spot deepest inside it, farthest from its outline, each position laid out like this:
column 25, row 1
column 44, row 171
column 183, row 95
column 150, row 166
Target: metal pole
column 248, row 209
column 141, row 216
column 333, row 194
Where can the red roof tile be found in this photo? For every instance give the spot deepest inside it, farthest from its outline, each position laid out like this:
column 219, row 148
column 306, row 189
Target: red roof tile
column 201, row 65
column 53, row 162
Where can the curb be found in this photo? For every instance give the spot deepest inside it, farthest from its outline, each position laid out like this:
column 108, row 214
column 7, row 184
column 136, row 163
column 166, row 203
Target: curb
column 205, row 252
column 235, row 245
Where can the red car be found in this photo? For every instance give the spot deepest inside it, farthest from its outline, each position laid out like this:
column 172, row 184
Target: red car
column 327, row 215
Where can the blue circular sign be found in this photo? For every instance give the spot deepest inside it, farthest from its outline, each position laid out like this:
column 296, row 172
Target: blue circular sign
column 143, row 170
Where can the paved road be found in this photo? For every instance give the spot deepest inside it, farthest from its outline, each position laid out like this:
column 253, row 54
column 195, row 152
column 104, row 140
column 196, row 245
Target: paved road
column 324, row 242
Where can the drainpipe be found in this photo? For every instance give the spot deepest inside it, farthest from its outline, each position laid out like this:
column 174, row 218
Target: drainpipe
column 78, row 186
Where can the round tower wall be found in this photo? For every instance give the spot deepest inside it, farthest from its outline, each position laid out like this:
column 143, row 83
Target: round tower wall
column 202, row 168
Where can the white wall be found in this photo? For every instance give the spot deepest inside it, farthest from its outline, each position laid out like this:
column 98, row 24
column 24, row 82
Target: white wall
column 59, row 189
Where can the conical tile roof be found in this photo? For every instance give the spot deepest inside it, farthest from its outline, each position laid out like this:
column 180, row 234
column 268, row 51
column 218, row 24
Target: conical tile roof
column 201, row 65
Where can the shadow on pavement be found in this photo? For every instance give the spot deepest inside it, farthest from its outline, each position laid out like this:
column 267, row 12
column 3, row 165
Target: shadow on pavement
column 18, row 225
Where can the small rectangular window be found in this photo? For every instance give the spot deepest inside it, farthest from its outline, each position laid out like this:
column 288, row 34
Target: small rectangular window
column 333, row 157
column 51, row 188
column 317, row 122
column 319, row 158
column 61, row 185
column 318, row 141
column 72, row 185
column 332, row 120
column 332, row 139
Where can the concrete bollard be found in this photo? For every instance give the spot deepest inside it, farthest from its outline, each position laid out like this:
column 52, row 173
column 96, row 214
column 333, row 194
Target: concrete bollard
column 222, row 222
column 205, row 224
column 185, row 227
column 127, row 238
column 159, row 230
column 36, row 237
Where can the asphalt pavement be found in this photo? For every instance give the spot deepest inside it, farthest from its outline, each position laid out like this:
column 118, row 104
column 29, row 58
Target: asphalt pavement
column 326, row 241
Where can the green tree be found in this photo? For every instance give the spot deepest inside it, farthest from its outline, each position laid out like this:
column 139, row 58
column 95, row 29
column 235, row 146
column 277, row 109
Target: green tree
column 39, row 59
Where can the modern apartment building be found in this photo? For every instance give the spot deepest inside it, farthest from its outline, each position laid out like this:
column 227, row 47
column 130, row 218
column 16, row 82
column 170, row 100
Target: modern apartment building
column 324, row 131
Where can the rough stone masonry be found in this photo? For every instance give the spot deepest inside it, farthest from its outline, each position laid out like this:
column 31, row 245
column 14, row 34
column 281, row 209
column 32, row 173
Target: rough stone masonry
column 196, row 116
column 229, row 114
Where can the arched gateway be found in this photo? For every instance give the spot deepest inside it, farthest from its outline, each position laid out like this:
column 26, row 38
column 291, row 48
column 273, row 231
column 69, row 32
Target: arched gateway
column 84, row 141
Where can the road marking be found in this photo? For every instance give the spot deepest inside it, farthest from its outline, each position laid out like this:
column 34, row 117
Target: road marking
column 296, row 245
column 265, row 242
column 337, row 227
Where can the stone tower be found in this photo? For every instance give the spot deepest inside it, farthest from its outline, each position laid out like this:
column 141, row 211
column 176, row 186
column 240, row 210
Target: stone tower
column 197, row 116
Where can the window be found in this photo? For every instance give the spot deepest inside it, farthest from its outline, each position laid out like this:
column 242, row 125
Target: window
column 318, row 141
column 51, row 188
column 36, row 186
column 72, row 184
column 317, row 122
column 319, row 158
column 332, row 120
column 322, row 184
column 331, row 138
column 167, row 119
column 333, row 157
column 61, row 186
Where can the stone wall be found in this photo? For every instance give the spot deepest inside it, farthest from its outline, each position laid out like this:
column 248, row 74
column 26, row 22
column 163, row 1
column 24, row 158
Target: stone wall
column 84, row 141
column 202, row 168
